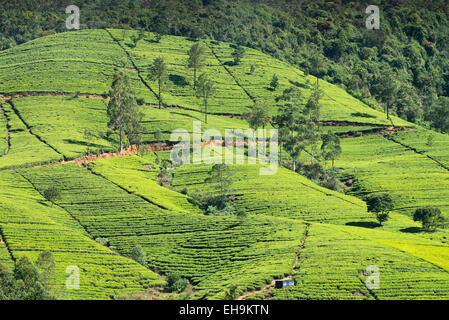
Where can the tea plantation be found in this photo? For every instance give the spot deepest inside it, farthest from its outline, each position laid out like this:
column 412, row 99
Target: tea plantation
column 54, row 135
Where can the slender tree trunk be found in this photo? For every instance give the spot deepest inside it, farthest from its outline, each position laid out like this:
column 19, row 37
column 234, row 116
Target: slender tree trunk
column 311, row 149
column 159, row 93
column 121, row 138
column 205, row 111
column 264, row 141
column 280, row 151
column 388, row 110
column 293, row 159
column 194, row 78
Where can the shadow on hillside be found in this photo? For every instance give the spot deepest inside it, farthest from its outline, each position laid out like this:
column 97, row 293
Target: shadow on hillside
column 229, row 63
column 178, row 80
column 416, row 230
column 84, row 143
column 299, row 85
column 362, row 224
column 362, row 115
column 186, row 115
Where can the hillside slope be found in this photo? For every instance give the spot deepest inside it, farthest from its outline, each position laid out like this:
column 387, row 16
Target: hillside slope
column 54, row 90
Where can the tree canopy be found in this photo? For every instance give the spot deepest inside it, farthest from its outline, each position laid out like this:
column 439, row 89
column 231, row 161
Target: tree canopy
column 123, row 112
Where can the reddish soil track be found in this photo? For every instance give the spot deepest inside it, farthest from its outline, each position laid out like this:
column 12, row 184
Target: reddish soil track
column 126, row 152
column 54, row 94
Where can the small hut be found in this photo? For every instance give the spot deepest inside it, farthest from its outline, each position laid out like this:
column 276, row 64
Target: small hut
column 279, row 284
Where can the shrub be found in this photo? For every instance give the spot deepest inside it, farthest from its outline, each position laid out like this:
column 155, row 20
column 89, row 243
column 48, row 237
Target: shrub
column 274, row 82
column 231, row 292
column 227, row 210
column 52, row 194
column 430, row 217
column 381, row 205
column 176, row 283
column 28, row 281
column 138, row 255
column 158, row 135
column 102, row 241
column 237, row 54
column 318, row 174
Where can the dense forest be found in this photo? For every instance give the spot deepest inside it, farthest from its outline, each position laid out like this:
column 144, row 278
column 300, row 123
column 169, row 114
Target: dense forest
column 405, row 64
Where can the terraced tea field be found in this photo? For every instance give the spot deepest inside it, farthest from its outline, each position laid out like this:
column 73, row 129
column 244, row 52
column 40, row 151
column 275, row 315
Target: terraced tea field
column 30, row 225
column 322, row 276
column 229, row 98
column 283, row 194
column 24, row 147
column 418, row 141
column 381, row 165
column 53, row 108
column 212, row 251
column 337, row 104
column 71, row 62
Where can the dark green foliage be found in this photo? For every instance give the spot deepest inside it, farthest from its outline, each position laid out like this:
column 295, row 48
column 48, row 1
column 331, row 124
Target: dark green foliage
column 227, row 210
column 325, row 38
column 158, row 71
column 123, row 111
column 252, row 69
column 158, row 135
column 88, row 135
column 237, row 54
column 430, row 217
column 388, row 89
column 312, row 112
column 138, row 255
column 204, row 90
column 218, row 203
column 290, row 120
column 440, row 115
column 28, row 281
column 258, row 117
column 330, row 148
column 46, row 265
column 274, row 84
column 52, row 194
column 176, row 283
column 231, row 292
column 102, row 241
column 221, row 178
column 196, row 60
column 380, row 204
column 164, row 176
column 318, row 174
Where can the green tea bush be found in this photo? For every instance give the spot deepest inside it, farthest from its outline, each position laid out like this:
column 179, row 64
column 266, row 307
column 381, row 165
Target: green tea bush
column 176, row 283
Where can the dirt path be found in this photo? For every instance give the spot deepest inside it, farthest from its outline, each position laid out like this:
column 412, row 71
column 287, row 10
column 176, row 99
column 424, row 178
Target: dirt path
column 17, row 95
column 267, row 289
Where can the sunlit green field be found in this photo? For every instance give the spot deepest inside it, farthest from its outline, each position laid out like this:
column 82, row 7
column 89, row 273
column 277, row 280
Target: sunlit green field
column 121, row 200
column 380, row 165
column 30, row 224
